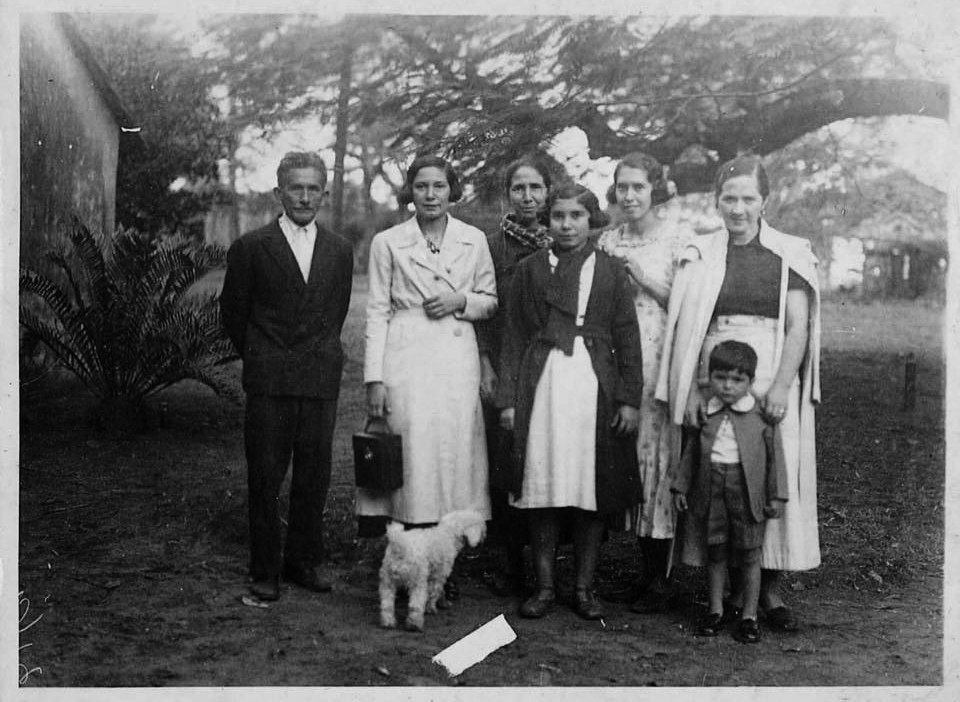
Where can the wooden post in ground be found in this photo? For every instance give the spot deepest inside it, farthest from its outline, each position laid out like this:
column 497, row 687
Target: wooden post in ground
column 910, row 382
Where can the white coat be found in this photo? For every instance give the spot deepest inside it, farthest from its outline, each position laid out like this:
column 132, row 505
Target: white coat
column 430, row 368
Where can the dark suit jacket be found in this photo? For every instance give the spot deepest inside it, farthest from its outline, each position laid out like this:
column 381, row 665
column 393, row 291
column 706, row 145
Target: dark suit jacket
column 761, row 455
column 287, row 331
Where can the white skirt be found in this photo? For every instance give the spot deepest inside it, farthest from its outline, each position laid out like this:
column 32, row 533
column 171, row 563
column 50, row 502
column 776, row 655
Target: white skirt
column 560, row 467
column 432, row 375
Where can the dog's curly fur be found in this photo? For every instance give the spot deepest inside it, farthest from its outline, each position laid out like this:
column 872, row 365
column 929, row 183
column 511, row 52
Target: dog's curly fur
column 420, row 560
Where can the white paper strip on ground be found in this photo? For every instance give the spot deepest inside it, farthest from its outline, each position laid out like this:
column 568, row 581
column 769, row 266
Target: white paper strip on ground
column 476, row 646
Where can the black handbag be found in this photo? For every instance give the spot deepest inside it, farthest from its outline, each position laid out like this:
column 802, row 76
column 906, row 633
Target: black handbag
column 378, row 458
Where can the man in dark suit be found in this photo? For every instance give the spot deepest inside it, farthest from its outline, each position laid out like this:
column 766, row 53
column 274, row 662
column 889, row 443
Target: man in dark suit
column 285, row 296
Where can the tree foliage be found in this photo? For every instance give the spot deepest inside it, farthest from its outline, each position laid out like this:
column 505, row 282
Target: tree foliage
column 117, row 315
column 831, row 180
column 168, row 91
column 690, row 90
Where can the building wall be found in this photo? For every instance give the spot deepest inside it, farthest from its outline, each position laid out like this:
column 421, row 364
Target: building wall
column 69, row 139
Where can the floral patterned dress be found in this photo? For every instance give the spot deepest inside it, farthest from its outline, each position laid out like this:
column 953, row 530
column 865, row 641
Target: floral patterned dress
column 656, row 254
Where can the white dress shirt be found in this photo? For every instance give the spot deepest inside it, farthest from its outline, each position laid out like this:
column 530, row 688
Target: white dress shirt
column 301, row 241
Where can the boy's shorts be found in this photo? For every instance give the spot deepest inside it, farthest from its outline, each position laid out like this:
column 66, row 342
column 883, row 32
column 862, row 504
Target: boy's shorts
column 729, row 520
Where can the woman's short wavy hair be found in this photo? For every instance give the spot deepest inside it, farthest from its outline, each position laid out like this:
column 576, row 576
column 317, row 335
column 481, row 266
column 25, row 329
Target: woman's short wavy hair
column 537, row 164
column 745, row 165
column 655, row 171
column 405, row 196
column 583, row 195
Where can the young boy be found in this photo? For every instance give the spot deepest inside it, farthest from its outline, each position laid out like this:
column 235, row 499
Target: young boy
column 731, row 478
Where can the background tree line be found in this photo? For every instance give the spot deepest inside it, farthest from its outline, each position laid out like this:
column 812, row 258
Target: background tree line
column 693, row 91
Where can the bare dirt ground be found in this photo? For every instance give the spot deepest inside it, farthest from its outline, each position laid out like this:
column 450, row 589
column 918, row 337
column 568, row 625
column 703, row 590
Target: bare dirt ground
column 133, row 550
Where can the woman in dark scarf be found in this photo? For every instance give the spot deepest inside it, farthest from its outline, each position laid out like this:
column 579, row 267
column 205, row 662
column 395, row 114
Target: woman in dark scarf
column 523, row 231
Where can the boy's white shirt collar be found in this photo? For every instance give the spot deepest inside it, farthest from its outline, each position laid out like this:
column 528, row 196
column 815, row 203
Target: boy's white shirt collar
column 744, row 404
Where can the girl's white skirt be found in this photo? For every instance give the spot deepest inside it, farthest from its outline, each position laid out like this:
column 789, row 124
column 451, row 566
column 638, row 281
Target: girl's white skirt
column 561, row 444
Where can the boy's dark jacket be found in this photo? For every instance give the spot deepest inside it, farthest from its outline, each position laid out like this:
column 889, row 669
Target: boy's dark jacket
column 761, row 455
column 612, row 338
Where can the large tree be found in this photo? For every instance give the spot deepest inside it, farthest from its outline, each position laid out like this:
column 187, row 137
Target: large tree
column 691, row 91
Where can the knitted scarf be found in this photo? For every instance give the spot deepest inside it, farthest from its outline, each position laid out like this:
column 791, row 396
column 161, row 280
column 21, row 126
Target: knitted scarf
column 537, row 238
column 561, row 297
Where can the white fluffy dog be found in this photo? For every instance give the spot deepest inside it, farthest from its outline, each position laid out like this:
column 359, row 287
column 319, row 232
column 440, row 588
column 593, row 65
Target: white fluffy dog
column 420, row 560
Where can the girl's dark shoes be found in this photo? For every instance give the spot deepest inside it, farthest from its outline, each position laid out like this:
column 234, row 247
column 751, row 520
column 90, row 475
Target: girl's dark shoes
column 710, row 624
column 747, row 631
column 541, row 604
column 587, row 606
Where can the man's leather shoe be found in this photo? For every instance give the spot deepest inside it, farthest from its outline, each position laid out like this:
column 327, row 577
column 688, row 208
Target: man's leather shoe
column 308, row 577
column 267, row 589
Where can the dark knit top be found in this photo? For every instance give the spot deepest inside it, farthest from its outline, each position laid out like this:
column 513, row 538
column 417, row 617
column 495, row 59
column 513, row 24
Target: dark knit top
column 752, row 281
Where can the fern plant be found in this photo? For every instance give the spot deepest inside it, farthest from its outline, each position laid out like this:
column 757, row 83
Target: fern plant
column 116, row 313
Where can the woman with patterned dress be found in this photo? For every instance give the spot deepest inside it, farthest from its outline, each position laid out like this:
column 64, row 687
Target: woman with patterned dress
column 649, row 242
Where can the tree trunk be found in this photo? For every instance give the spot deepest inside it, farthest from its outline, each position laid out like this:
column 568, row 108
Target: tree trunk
column 234, row 204
column 340, row 148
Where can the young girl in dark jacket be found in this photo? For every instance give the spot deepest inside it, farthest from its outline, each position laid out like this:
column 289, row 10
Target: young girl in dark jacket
column 570, row 383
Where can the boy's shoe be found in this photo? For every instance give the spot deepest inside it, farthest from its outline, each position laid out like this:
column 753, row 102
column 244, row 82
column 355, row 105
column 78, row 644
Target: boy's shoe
column 731, row 613
column 748, row 631
column 710, row 624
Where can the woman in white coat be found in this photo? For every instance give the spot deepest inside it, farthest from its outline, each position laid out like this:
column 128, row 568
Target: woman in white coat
column 752, row 283
column 431, row 278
